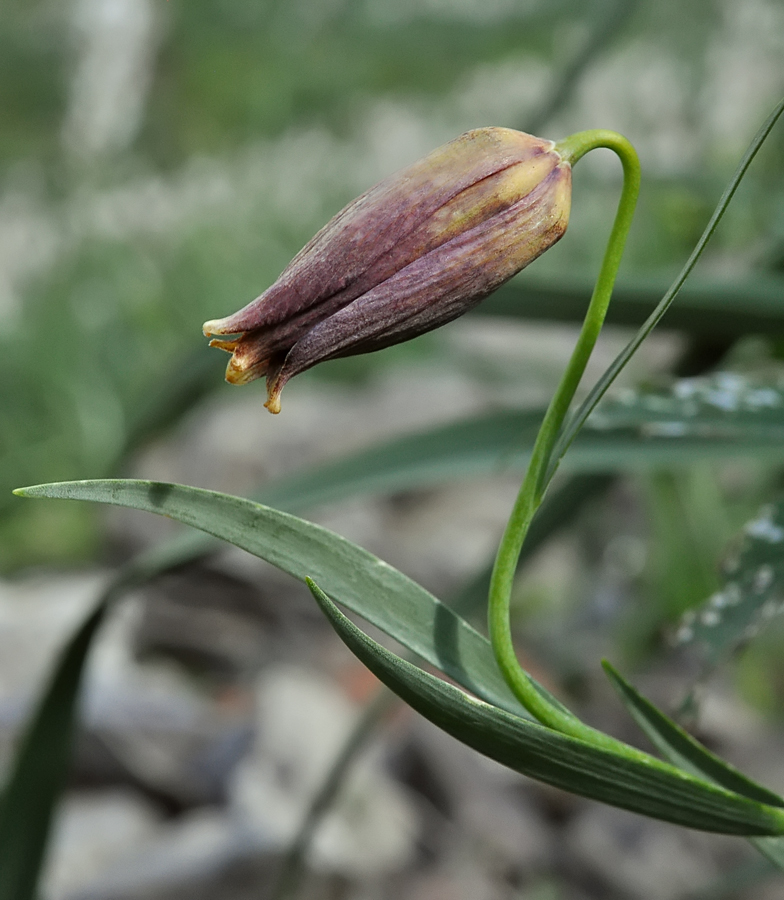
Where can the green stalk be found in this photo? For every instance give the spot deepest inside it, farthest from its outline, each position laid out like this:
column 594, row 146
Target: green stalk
column 536, row 479
column 579, row 418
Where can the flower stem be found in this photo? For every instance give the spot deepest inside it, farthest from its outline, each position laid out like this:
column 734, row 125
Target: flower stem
column 539, row 471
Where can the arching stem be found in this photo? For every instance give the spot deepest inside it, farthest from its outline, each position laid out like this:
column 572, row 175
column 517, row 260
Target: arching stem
column 537, row 477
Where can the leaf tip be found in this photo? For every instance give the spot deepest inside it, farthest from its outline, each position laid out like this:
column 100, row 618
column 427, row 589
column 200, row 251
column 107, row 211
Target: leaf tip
column 612, row 672
column 314, row 589
column 51, row 489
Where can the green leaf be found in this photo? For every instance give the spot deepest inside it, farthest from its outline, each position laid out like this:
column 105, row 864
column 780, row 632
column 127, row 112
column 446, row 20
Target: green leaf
column 371, row 587
column 40, row 770
column 681, row 748
column 687, row 753
column 691, row 420
column 501, row 440
column 751, row 595
column 722, row 309
column 58, row 708
column 724, row 405
column 463, row 449
column 652, row 788
column 43, row 757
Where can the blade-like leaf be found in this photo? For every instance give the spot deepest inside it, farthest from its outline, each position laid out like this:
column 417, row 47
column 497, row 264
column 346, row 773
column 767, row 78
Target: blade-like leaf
column 43, row 757
column 41, row 767
column 688, row 754
column 370, row 587
column 681, row 748
column 753, row 591
column 463, row 449
column 57, row 712
column 722, row 405
column 717, row 309
column 501, row 440
column 652, row 788
column 695, row 419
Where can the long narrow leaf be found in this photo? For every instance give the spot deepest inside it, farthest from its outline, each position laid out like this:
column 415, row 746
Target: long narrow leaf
column 751, row 594
column 620, row 439
column 386, row 597
column 57, row 712
column 687, row 753
column 42, row 761
column 681, row 748
column 723, row 309
column 652, row 788
column 369, row 586
column 637, row 430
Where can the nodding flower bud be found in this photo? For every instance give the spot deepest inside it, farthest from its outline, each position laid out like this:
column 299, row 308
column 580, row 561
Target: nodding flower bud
column 414, row 252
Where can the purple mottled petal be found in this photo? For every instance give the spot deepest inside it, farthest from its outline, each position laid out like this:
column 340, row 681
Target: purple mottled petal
column 377, row 226
column 442, row 284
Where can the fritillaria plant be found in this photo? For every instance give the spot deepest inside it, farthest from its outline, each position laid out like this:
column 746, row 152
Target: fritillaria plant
column 414, row 252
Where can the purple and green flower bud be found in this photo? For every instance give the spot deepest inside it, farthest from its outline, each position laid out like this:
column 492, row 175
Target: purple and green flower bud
column 417, row 250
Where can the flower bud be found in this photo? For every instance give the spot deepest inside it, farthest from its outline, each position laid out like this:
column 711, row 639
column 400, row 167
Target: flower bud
column 414, row 252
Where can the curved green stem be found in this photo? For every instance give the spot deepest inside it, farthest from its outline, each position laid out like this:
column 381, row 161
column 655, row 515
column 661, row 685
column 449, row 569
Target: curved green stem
column 538, row 475
column 580, row 416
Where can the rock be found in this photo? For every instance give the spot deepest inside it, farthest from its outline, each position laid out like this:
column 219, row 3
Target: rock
column 37, row 616
column 93, row 832
column 486, row 804
column 303, row 721
column 645, row 859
